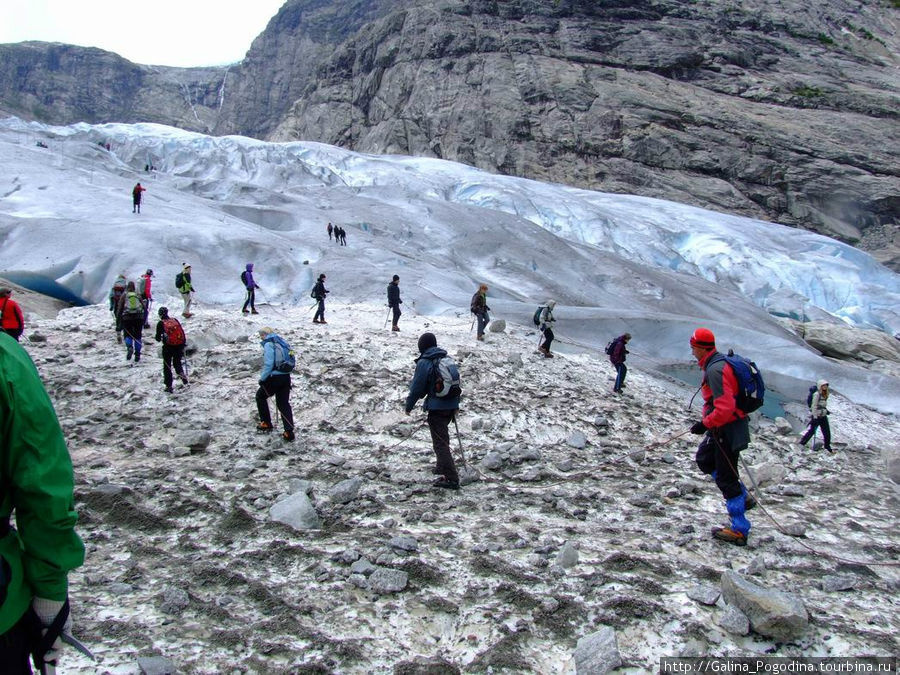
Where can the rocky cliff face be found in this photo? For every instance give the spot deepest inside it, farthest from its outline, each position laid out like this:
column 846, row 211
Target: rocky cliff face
column 775, row 109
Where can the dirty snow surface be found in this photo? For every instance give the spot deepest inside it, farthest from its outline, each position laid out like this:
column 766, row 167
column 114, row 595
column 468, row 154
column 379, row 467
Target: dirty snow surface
column 586, row 511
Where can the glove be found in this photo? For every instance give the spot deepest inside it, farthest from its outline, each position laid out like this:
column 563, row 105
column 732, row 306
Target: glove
column 47, row 611
column 698, row 428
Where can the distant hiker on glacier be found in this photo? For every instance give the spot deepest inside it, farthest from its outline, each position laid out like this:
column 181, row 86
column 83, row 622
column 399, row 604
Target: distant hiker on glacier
column 131, row 314
column 725, row 431
column 330, row 229
column 343, row 237
column 170, row 332
column 479, row 307
column 319, row 292
column 275, row 380
column 617, row 353
column 12, row 321
column 818, row 408
column 146, row 293
column 186, row 287
column 37, row 554
column 115, row 294
column 136, row 198
column 437, row 379
column 394, row 301
column 251, row 286
column 546, row 318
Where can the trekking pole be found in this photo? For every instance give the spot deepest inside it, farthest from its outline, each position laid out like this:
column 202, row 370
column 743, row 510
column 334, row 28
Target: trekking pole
column 462, row 455
column 657, row 444
column 387, row 318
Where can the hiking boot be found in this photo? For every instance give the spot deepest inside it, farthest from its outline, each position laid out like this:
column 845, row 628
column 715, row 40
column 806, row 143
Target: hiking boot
column 128, row 354
column 169, row 390
column 184, row 379
column 253, row 311
column 749, row 502
column 442, row 482
column 729, row 535
column 186, row 315
column 547, row 355
column 480, row 337
column 323, row 321
column 119, row 338
column 288, row 435
column 245, row 311
column 315, row 321
column 137, row 357
column 395, row 328
column 264, row 427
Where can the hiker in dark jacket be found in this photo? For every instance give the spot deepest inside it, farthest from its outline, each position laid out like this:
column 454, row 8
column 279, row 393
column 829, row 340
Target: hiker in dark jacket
column 617, row 358
column 329, row 228
column 546, row 329
column 725, row 431
column 480, row 309
column 319, row 292
column 115, row 294
column 170, row 332
column 37, row 484
column 818, row 409
column 12, row 321
column 131, row 313
column 394, row 301
column 251, row 286
column 441, row 410
column 273, row 382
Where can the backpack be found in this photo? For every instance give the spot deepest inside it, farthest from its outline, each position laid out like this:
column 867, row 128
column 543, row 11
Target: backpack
column 244, row 277
column 611, row 347
column 118, row 290
column 142, row 287
column 174, row 333
column 179, row 281
column 445, row 374
column 312, row 293
column 537, row 316
column 133, row 306
column 751, row 388
column 287, row 361
column 809, row 396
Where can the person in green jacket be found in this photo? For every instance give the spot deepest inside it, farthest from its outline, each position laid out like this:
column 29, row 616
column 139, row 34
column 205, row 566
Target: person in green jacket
column 36, row 482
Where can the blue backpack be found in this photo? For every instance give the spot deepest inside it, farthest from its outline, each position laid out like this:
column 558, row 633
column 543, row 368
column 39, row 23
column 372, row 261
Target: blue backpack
column 445, row 374
column 809, row 396
column 285, row 359
column 751, row 387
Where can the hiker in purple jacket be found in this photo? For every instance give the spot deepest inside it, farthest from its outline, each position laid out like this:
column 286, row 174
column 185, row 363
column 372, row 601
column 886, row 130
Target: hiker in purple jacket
column 617, row 358
column 251, row 286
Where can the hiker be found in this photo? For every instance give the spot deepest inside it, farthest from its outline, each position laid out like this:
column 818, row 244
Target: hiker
column 131, row 316
column 251, row 286
column 617, row 358
column 441, row 410
column 274, row 382
column 146, row 294
column 725, row 433
column 480, row 309
column 170, row 332
column 330, row 229
column 337, row 235
column 319, row 292
column 37, row 483
column 186, row 287
column 12, row 321
column 115, row 294
column 546, row 329
column 818, row 407
column 394, row 301
column 343, row 237
column 136, row 198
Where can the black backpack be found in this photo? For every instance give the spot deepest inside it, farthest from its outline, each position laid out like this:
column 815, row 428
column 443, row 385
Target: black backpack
column 537, row 315
column 244, row 277
column 809, row 396
column 179, row 281
column 610, row 348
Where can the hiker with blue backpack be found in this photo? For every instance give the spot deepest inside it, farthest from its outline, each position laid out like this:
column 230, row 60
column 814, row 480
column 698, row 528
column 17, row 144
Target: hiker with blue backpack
column 275, row 380
column 617, row 354
column 437, row 379
column 251, row 286
column 725, row 430
column 818, row 408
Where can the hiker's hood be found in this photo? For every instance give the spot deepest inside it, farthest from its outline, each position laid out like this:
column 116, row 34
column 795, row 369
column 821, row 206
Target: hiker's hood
column 432, row 352
column 551, row 304
column 249, row 267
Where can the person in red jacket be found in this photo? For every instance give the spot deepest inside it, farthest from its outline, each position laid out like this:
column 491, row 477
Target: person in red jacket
column 725, row 431
column 11, row 319
column 617, row 358
column 146, row 294
column 136, row 197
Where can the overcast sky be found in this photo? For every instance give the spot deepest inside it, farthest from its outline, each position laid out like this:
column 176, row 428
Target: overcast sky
column 163, row 32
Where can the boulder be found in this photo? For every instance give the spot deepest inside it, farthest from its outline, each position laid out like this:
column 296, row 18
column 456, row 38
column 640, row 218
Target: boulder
column 297, row 512
column 772, row 613
column 597, row 653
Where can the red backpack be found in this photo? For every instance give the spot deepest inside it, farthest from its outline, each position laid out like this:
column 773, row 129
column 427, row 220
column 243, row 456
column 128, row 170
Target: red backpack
column 174, row 333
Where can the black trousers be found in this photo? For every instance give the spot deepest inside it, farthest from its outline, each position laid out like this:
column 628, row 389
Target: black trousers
column 716, row 458
column 16, row 645
column 548, row 338
column 278, row 386
column 172, row 355
column 439, row 425
column 320, row 313
column 818, row 423
column 251, row 300
column 397, row 313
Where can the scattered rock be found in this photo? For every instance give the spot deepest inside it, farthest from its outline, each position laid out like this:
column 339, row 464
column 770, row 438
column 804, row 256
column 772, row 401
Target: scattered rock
column 568, row 556
column 772, row 613
column 404, row 543
column 362, row 566
column 833, row 583
column 705, row 594
column 296, row 511
column 734, row 621
column 497, row 326
column 388, row 580
column 597, row 653
column 769, row 473
column 156, row 665
column 890, row 455
column 426, row 666
column 493, row 461
column 577, row 440
column 345, row 491
column 195, row 440
column 174, row 601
